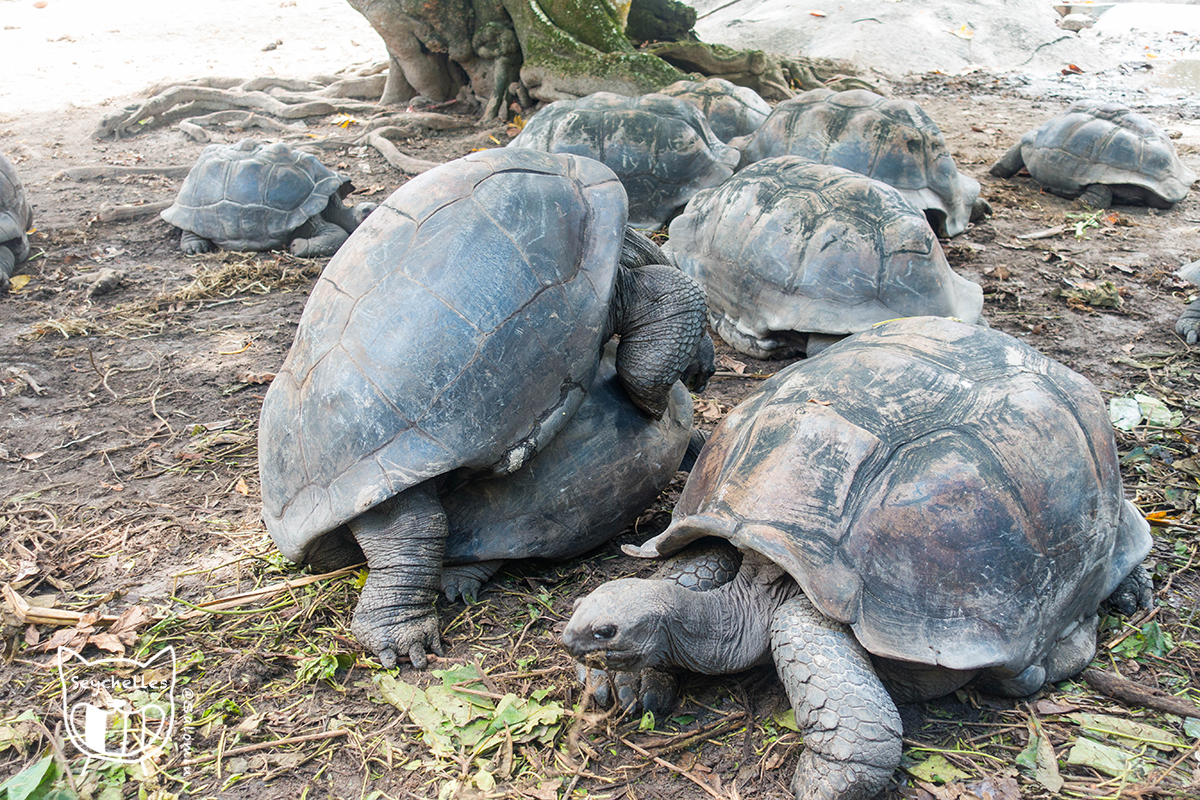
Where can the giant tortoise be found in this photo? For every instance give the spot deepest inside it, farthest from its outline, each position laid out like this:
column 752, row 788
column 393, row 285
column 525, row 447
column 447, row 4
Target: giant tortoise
column 258, row 196
column 661, row 148
column 457, row 330
column 1101, row 153
column 16, row 218
column 926, row 504
column 889, row 139
column 793, row 255
column 730, row 110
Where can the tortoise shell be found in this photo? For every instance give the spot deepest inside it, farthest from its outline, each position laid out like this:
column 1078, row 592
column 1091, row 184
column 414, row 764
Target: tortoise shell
column 660, row 147
column 602, row 470
column 888, row 139
column 458, row 327
column 1109, row 144
column 730, row 110
column 252, row 195
column 947, row 491
column 16, row 217
column 787, row 247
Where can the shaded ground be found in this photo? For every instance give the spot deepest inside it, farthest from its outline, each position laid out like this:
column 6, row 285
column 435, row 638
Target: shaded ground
column 127, row 443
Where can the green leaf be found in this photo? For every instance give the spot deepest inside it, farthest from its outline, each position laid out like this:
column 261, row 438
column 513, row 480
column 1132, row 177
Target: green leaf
column 1191, row 727
column 1104, row 758
column 936, row 769
column 1038, row 759
column 1124, row 413
column 646, row 723
column 786, row 718
column 32, row 782
column 1128, row 729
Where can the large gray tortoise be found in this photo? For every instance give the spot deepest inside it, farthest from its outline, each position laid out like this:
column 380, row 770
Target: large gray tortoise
column 456, row 331
column 16, row 218
column 661, row 148
column 794, row 255
column 256, row 196
column 593, row 479
column 730, row 110
column 1101, row 153
column 926, row 504
column 889, row 139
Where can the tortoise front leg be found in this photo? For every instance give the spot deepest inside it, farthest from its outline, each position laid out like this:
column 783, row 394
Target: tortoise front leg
column 404, row 540
column 850, row 725
column 192, row 244
column 8, row 262
column 1188, row 324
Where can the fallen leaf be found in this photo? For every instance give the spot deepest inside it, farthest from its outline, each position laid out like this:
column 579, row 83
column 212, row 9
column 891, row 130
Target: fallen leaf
column 1038, row 758
column 241, row 487
column 936, row 769
column 1101, row 757
column 1122, row 728
column 817, row 13
column 18, row 282
column 256, row 377
column 965, row 32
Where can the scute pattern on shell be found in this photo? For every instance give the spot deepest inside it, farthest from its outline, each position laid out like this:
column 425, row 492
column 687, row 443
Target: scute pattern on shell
column 730, row 110
column 889, row 139
column 787, row 245
column 660, row 147
column 459, row 326
column 1105, row 143
column 251, row 195
column 16, row 217
column 947, row 491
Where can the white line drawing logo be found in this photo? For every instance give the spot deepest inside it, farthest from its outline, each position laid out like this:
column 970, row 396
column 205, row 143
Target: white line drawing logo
column 128, row 714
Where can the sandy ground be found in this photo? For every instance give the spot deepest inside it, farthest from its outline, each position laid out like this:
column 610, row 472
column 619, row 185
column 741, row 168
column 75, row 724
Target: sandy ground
column 86, row 52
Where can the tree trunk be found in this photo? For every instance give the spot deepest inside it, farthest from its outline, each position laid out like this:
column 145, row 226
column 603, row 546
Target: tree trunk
column 486, row 53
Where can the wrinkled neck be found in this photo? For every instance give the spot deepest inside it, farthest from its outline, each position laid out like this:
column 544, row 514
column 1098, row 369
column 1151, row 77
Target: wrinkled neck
column 727, row 629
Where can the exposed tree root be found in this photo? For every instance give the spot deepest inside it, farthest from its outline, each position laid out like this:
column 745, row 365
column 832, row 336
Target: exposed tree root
column 111, row 213
column 772, row 76
column 406, row 164
column 195, row 128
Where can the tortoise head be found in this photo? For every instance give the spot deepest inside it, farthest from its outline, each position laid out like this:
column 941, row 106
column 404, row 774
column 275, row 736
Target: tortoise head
column 622, row 625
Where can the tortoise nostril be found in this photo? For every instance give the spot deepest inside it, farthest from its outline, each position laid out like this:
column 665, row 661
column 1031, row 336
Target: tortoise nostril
column 605, row 632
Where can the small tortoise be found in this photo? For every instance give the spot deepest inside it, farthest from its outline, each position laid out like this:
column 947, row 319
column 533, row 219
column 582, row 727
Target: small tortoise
column 731, row 110
column 1101, row 153
column 256, row 196
column 925, row 504
column 794, row 255
column 458, row 329
column 16, row 218
column 890, row 140
column 660, row 147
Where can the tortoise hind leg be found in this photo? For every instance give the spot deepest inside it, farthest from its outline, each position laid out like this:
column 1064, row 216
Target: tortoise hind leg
column 404, row 540
column 659, row 313
column 852, row 731
column 317, row 237
column 1097, row 195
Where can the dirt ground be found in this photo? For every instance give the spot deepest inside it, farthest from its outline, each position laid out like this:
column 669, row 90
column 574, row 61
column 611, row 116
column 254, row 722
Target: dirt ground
column 128, row 455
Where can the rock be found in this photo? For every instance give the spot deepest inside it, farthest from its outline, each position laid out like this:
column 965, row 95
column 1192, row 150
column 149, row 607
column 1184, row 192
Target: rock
column 1076, row 22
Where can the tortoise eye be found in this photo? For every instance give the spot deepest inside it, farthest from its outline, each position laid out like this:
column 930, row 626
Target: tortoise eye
column 605, row 632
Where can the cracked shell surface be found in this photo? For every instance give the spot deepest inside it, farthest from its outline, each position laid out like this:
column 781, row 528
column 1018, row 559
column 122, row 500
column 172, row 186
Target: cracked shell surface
column 730, row 110
column 16, row 217
column 1105, row 143
column 888, row 139
column 660, row 147
column 251, row 195
column 459, row 326
column 947, row 491
column 788, row 245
